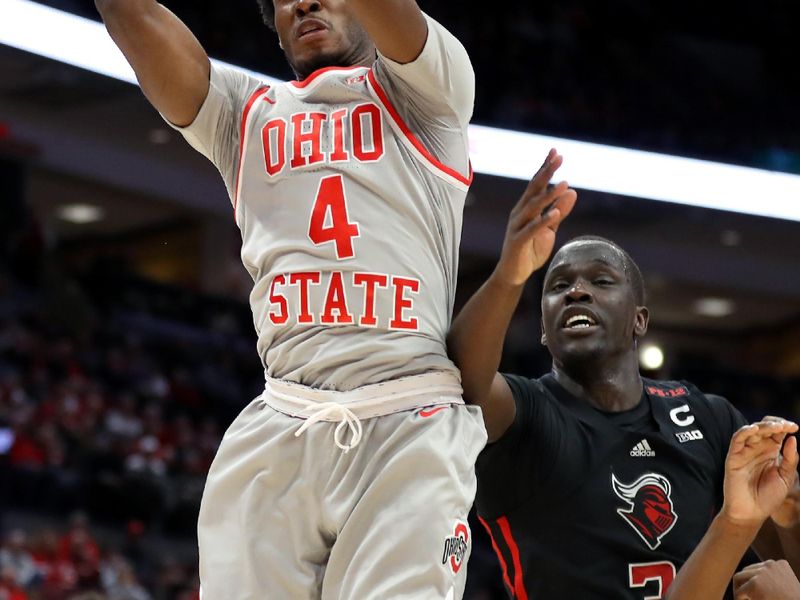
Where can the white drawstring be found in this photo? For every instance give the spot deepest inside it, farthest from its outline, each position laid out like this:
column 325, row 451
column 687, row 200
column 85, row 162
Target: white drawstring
column 347, row 418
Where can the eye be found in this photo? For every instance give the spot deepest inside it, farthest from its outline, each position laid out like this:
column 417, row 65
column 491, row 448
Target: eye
column 558, row 286
column 603, row 281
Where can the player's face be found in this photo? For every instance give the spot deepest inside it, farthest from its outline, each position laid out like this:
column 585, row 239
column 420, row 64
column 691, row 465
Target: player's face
column 589, row 308
column 320, row 33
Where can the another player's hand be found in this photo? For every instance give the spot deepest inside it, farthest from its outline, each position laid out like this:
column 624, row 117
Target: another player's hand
column 788, row 513
column 770, row 580
column 531, row 232
column 758, row 476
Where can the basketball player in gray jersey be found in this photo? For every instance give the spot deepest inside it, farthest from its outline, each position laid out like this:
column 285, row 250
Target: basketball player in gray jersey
column 351, row 476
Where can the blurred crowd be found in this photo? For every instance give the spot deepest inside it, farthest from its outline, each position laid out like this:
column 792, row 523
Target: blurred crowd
column 712, row 80
column 46, row 563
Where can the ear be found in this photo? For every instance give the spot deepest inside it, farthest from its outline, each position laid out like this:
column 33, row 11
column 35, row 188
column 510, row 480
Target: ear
column 641, row 322
column 544, row 335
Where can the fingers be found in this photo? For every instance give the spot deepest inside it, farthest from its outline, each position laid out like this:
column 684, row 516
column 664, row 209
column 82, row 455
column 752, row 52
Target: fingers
column 774, row 430
column 759, row 440
column 531, row 206
column 538, row 183
column 545, row 173
column 745, row 575
column 744, row 580
column 768, row 580
column 788, row 466
column 553, row 218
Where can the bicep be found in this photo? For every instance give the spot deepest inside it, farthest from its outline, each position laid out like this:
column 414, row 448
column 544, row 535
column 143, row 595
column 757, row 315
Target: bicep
column 499, row 410
column 169, row 62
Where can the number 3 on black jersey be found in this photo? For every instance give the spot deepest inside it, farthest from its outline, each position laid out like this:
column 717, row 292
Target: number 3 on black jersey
column 640, row 574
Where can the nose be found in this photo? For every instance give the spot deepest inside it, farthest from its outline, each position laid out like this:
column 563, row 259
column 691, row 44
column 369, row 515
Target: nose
column 304, row 7
column 578, row 293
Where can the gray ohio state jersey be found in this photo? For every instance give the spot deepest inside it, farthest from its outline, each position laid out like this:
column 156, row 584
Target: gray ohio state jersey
column 348, row 189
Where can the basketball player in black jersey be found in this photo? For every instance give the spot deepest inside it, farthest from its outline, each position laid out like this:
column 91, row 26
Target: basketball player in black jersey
column 597, row 483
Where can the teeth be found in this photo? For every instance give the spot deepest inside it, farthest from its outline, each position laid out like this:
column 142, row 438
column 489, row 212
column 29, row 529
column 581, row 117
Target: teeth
column 580, row 322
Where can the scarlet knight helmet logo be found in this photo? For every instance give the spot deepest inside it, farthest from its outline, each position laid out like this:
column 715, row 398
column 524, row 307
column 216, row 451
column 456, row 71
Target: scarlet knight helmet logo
column 649, row 506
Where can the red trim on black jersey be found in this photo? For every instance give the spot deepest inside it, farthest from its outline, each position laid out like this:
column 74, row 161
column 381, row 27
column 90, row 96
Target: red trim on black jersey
column 499, row 554
column 318, row 72
column 412, row 138
column 519, row 586
column 245, row 113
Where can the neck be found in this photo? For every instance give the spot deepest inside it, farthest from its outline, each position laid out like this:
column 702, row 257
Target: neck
column 612, row 386
column 358, row 56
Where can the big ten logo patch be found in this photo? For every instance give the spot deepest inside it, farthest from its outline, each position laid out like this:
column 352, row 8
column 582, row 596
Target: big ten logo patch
column 456, row 546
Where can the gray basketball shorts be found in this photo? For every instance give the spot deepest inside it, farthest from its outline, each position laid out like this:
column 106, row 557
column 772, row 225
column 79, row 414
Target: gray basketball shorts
column 295, row 517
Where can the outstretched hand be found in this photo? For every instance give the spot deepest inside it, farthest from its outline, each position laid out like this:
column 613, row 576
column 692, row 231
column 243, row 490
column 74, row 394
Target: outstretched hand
column 532, row 226
column 758, row 476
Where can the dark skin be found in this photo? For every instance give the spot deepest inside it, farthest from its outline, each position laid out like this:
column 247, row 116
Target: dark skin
column 597, row 362
column 173, row 69
column 314, row 35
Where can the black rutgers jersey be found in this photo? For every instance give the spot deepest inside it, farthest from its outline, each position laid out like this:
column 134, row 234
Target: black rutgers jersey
column 582, row 504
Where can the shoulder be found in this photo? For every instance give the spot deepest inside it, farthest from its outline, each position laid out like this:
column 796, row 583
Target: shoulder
column 715, row 412
column 536, row 406
column 524, row 387
column 686, row 392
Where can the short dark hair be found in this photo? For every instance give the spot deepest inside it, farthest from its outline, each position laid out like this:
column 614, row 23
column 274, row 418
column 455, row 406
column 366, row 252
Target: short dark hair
column 267, row 13
column 632, row 271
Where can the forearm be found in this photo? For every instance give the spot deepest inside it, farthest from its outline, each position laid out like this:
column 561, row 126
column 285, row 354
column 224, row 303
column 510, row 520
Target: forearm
column 712, row 564
column 170, row 64
column 380, row 19
column 790, row 544
column 475, row 342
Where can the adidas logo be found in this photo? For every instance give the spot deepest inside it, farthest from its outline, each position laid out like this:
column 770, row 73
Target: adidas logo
column 642, row 449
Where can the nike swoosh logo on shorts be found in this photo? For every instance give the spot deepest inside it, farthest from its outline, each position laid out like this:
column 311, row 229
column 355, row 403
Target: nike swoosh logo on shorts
column 429, row 412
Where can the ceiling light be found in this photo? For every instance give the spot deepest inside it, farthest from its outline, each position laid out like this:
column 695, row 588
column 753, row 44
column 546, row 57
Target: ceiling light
column 651, row 357
column 49, row 32
column 714, row 307
column 731, row 238
column 80, row 214
column 159, row 136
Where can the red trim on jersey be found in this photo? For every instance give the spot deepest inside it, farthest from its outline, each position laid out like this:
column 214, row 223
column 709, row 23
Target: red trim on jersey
column 245, row 113
column 411, row 137
column 499, row 554
column 318, row 72
column 519, row 585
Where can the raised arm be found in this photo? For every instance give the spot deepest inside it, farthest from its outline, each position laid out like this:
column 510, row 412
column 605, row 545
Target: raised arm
column 171, row 66
column 758, row 476
column 396, row 27
column 475, row 341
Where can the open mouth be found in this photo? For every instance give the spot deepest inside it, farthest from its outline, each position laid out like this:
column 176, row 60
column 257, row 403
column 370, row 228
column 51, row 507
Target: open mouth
column 579, row 321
